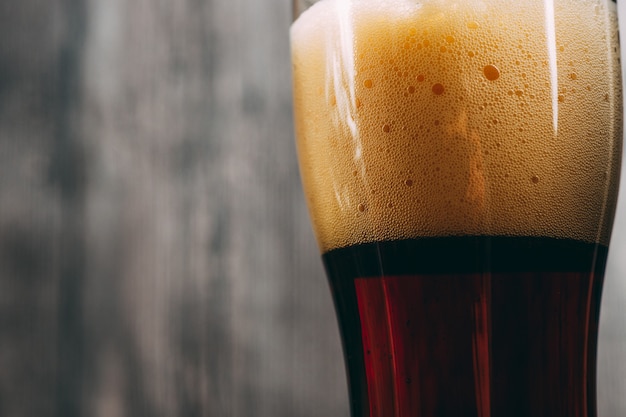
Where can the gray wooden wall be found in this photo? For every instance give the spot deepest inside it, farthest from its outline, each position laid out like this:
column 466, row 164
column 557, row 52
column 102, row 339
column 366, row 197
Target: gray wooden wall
column 155, row 253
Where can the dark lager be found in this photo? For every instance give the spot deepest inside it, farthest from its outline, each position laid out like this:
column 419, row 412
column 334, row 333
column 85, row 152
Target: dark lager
column 460, row 162
column 469, row 326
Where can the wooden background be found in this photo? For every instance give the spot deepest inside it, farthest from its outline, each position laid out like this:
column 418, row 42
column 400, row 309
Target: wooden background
column 155, row 253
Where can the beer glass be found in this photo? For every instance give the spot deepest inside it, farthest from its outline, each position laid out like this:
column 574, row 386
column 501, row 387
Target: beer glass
column 460, row 161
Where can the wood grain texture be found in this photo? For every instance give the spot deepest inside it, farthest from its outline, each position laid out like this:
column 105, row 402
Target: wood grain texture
column 156, row 257
column 155, row 252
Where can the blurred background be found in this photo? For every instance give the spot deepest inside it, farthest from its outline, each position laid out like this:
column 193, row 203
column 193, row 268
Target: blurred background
column 156, row 257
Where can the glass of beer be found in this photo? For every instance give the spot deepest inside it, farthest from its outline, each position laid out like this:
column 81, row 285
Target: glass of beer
column 460, row 160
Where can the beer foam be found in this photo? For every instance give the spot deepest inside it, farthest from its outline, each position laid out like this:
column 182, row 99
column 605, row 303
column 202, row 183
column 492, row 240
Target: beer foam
column 445, row 118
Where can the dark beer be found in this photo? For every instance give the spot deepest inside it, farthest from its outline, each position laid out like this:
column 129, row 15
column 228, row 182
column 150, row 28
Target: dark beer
column 460, row 161
column 469, row 326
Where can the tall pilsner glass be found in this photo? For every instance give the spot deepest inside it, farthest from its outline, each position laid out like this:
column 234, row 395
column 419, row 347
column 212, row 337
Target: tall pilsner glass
column 460, row 159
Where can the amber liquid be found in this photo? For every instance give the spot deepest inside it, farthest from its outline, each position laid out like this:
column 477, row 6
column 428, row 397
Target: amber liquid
column 473, row 326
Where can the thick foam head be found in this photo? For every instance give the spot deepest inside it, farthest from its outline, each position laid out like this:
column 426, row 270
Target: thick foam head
column 457, row 118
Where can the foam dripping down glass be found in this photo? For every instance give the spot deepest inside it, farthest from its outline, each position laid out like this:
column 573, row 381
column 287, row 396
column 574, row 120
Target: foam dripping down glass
column 460, row 161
